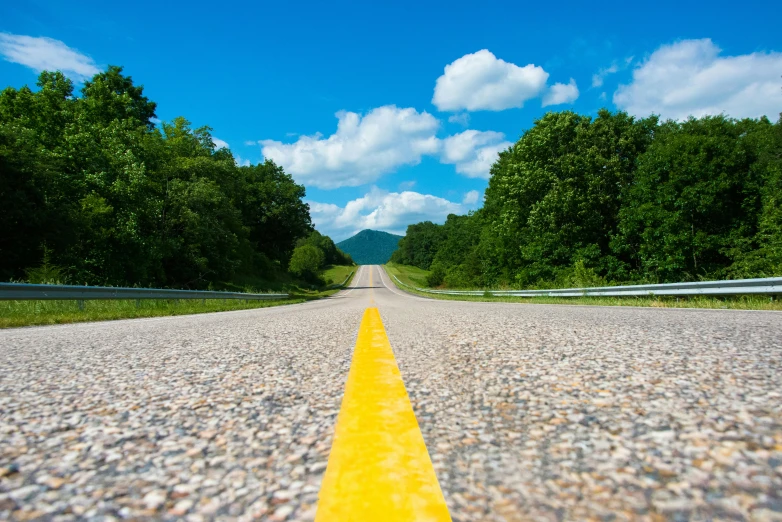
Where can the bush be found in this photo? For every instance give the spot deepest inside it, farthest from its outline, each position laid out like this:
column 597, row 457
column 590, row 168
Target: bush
column 306, row 261
column 47, row 273
column 436, row 276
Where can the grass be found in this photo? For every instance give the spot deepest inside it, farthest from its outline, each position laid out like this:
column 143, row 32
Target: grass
column 417, row 277
column 335, row 274
column 411, row 275
column 31, row 313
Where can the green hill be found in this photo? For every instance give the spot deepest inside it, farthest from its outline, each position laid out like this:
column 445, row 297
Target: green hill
column 370, row 247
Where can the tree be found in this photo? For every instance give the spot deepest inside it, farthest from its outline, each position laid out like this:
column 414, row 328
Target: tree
column 110, row 96
column 110, row 199
column 419, row 245
column 273, row 209
column 554, row 197
column 695, row 200
column 332, row 254
column 306, row 261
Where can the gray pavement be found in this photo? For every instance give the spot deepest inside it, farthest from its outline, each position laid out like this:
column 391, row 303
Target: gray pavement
column 529, row 412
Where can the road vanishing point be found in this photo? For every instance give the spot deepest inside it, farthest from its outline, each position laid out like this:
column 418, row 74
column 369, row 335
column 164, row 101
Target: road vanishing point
column 377, row 405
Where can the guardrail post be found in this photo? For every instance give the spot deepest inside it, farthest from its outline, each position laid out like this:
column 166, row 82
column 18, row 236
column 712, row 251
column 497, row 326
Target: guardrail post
column 80, row 303
column 138, row 303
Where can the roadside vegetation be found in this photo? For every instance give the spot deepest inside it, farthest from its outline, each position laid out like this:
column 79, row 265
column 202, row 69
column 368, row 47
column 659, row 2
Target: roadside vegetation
column 416, row 277
column 30, row 313
column 582, row 201
column 94, row 190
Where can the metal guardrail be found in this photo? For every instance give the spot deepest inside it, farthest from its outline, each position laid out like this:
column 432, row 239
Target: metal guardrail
column 763, row 286
column 23, row 292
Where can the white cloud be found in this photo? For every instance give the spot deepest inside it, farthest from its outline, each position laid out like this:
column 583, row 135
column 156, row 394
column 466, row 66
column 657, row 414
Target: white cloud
column 471, row 197
column 689, row 78
column 481, row 81
column 364, row 148
column 361, row 150
column 407, row 185
column 599, row 76
column 473, row 152
column 461, row 118
column 250, row 142
column 41, row 53
column 219, row 144
column 381, row 210
column 560, row 93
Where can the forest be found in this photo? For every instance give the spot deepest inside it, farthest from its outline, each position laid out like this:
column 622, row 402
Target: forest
column 95, row 190
column 585, row 201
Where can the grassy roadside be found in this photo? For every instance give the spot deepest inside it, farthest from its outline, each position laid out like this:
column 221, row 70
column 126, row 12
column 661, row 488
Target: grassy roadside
column 417, row 277
column 335, row 274
column 32, row 313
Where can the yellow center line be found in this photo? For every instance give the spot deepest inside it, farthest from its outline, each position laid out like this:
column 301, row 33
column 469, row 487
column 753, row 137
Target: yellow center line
column 378, row 469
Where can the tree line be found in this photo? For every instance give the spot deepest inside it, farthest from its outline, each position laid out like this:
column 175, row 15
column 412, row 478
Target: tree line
column 92, row 191
column 580, row 201
column 314, row 252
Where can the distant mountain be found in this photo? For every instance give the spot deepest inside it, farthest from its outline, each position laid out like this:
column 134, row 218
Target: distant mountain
column 370, row 247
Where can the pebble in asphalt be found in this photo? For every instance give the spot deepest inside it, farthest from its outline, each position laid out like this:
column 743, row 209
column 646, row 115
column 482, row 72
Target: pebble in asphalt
column 528, row 412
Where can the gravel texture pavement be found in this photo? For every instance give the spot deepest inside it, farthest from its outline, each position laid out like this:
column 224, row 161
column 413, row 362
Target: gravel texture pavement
column 529, row 412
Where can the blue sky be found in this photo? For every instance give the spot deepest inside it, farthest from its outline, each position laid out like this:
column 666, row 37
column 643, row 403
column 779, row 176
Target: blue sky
column 391, row 114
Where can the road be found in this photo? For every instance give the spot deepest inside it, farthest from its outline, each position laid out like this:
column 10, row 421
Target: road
column 528, row 412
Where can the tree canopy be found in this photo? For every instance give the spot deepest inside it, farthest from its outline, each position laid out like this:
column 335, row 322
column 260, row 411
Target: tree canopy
column 112, row 198
column 581, row 200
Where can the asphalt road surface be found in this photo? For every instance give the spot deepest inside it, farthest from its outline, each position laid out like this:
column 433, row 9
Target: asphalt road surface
column 528, row 412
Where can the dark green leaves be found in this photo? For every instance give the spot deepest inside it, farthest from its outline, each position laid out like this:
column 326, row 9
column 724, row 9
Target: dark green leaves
column 113, row 200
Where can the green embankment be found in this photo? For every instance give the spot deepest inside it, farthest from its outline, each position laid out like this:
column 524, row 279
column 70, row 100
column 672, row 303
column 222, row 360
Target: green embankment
column 415, row 276
column 31, row 313
column 334, row 275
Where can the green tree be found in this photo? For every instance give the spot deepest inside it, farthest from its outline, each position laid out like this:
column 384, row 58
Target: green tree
column 554, row 197
column 273, row 209
column 111, row 95
column 91, row 183
column 419, row 245
column 693, row 207
column 306, row 262
column 332, row 254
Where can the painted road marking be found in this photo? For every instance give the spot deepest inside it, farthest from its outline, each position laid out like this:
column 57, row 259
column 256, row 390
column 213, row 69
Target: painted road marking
column 372, row 289
column 378, row 469
column 356, row 280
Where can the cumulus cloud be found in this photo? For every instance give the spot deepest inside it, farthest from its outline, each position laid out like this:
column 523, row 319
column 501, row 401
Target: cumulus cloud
column 381, row 210
column 690, row 78
column 560, row 93
column 471, row 198
column 473, row 152
column 366, row 147
column 41, row 53
column 481, row 81
column 361, row 150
